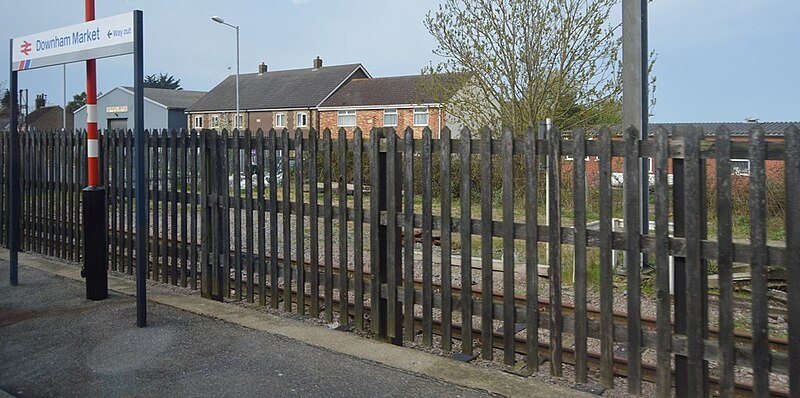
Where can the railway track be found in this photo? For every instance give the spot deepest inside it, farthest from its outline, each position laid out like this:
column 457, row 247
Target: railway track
column 620, row 318
column 620, row 364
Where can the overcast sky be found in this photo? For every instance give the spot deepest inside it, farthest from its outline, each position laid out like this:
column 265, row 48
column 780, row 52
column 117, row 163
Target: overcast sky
column 718, row 60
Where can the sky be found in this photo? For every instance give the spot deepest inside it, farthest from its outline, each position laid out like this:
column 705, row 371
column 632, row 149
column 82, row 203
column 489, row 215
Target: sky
column 718, row 60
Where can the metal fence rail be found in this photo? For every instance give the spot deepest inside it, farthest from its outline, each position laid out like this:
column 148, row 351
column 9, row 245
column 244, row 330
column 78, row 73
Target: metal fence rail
column 378, row 233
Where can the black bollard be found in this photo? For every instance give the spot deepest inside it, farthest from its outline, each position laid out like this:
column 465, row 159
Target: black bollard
column 95, row 268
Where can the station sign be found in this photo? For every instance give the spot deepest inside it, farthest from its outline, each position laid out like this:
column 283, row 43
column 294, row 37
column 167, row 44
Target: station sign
column 101, row 38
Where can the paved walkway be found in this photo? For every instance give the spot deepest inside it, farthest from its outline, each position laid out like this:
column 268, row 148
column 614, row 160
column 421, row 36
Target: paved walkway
column 54, row 342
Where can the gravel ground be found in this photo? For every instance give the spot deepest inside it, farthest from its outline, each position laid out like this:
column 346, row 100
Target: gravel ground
column 778, row 323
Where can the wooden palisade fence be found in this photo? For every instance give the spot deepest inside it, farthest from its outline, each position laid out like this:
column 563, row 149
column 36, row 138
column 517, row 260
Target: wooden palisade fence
column 324, row 228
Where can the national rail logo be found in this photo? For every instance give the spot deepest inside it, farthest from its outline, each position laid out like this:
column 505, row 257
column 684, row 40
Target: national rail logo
column 25, row 47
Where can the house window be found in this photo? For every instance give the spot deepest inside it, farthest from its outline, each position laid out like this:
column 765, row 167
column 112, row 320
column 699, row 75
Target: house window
column 302, row 119
column 390, row 117
column 740, row 167
column 346, row 119
column 214, row 121
column 586, row 159
column 421, row 116
column 280, row 120
column 198, row 122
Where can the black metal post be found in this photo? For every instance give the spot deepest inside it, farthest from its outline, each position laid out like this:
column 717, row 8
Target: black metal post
column 141, row 178
column 13, row 182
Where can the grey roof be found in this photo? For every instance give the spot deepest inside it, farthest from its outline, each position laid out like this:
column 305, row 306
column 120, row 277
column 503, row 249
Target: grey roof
column 37, row 114
column 297, row 88
column 386, row 91
column 172, row 99
column 775, row 129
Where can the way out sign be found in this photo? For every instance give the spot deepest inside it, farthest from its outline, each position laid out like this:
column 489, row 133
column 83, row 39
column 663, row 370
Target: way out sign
column 100, row 38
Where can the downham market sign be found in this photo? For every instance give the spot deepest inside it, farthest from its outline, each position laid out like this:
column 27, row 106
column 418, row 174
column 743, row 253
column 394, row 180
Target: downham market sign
column 100, row 38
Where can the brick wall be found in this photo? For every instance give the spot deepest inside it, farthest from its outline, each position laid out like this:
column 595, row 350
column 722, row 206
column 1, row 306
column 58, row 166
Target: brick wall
column 774, row 169
column 366, row 119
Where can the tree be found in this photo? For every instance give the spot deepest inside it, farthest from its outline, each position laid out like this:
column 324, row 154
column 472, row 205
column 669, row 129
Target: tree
column 163, row 80
column 5, row 102
column 521, row 61
column 78, row 100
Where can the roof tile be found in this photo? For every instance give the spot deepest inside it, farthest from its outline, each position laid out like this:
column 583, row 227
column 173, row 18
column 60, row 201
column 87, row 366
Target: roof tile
column 297, row 88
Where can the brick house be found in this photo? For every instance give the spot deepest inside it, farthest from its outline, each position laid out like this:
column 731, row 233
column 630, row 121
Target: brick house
column 46, row 117
column 397, row 102
column 740, row 131
column 279, row 99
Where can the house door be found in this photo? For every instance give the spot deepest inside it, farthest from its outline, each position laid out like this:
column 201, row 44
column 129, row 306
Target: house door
column 118, row 124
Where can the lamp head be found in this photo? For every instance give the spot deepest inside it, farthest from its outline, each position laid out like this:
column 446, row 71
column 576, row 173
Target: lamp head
column 217, row 19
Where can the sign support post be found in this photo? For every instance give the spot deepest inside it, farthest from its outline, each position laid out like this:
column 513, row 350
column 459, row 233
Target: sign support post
column 140, row 190
column 107, row 37
column 13, row 181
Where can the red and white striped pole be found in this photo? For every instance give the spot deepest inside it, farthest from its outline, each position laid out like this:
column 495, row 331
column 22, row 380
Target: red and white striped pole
column 95, row 254
column 92, row 145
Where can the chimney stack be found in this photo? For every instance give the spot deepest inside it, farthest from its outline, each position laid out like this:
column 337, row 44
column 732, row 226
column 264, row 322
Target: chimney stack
column 317, row 62
column 262, row 68
column 41, row 100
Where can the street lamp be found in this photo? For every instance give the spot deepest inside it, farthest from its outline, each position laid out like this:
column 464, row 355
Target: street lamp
column 222, row 21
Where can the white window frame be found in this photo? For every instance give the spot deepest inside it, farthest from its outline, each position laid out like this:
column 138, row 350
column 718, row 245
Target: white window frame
column 239, row 119
column 198, row 121
column 417, row 111
column 736, row 172
column 280, row 115
column 214, row 121
column 390, row 112
column 304, row 117
column 346, row 114
column 585, row 159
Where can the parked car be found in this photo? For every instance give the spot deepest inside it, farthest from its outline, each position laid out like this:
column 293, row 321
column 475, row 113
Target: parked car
column 256, row 173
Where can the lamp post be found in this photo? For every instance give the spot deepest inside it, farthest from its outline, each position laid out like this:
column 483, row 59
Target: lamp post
column 222, row 21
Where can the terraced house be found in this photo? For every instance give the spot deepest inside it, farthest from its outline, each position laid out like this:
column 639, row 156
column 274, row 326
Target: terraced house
column 279, row 99
column 397, row 102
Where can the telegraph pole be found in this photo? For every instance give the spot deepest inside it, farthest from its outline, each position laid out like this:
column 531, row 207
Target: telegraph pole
column 634, row 113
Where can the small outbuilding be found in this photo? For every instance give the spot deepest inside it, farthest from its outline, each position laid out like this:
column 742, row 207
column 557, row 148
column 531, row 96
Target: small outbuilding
column 163, row 108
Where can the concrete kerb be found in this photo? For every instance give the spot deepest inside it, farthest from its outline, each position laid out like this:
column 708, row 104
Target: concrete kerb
column 406, row 359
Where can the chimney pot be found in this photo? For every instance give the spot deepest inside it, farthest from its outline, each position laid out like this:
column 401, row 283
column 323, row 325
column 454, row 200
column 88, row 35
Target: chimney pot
column 262, row 68
column 317, row 62
column 41, row 101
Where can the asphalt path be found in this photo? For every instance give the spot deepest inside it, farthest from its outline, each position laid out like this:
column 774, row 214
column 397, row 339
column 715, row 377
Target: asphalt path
column 54, row 342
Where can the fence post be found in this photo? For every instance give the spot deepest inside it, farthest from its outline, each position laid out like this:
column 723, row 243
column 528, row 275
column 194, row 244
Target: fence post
column 383, row 173
column 679, row 268
column 213, row 179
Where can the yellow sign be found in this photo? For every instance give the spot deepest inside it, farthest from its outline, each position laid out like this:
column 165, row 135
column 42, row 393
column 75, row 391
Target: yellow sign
column 116, row 109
